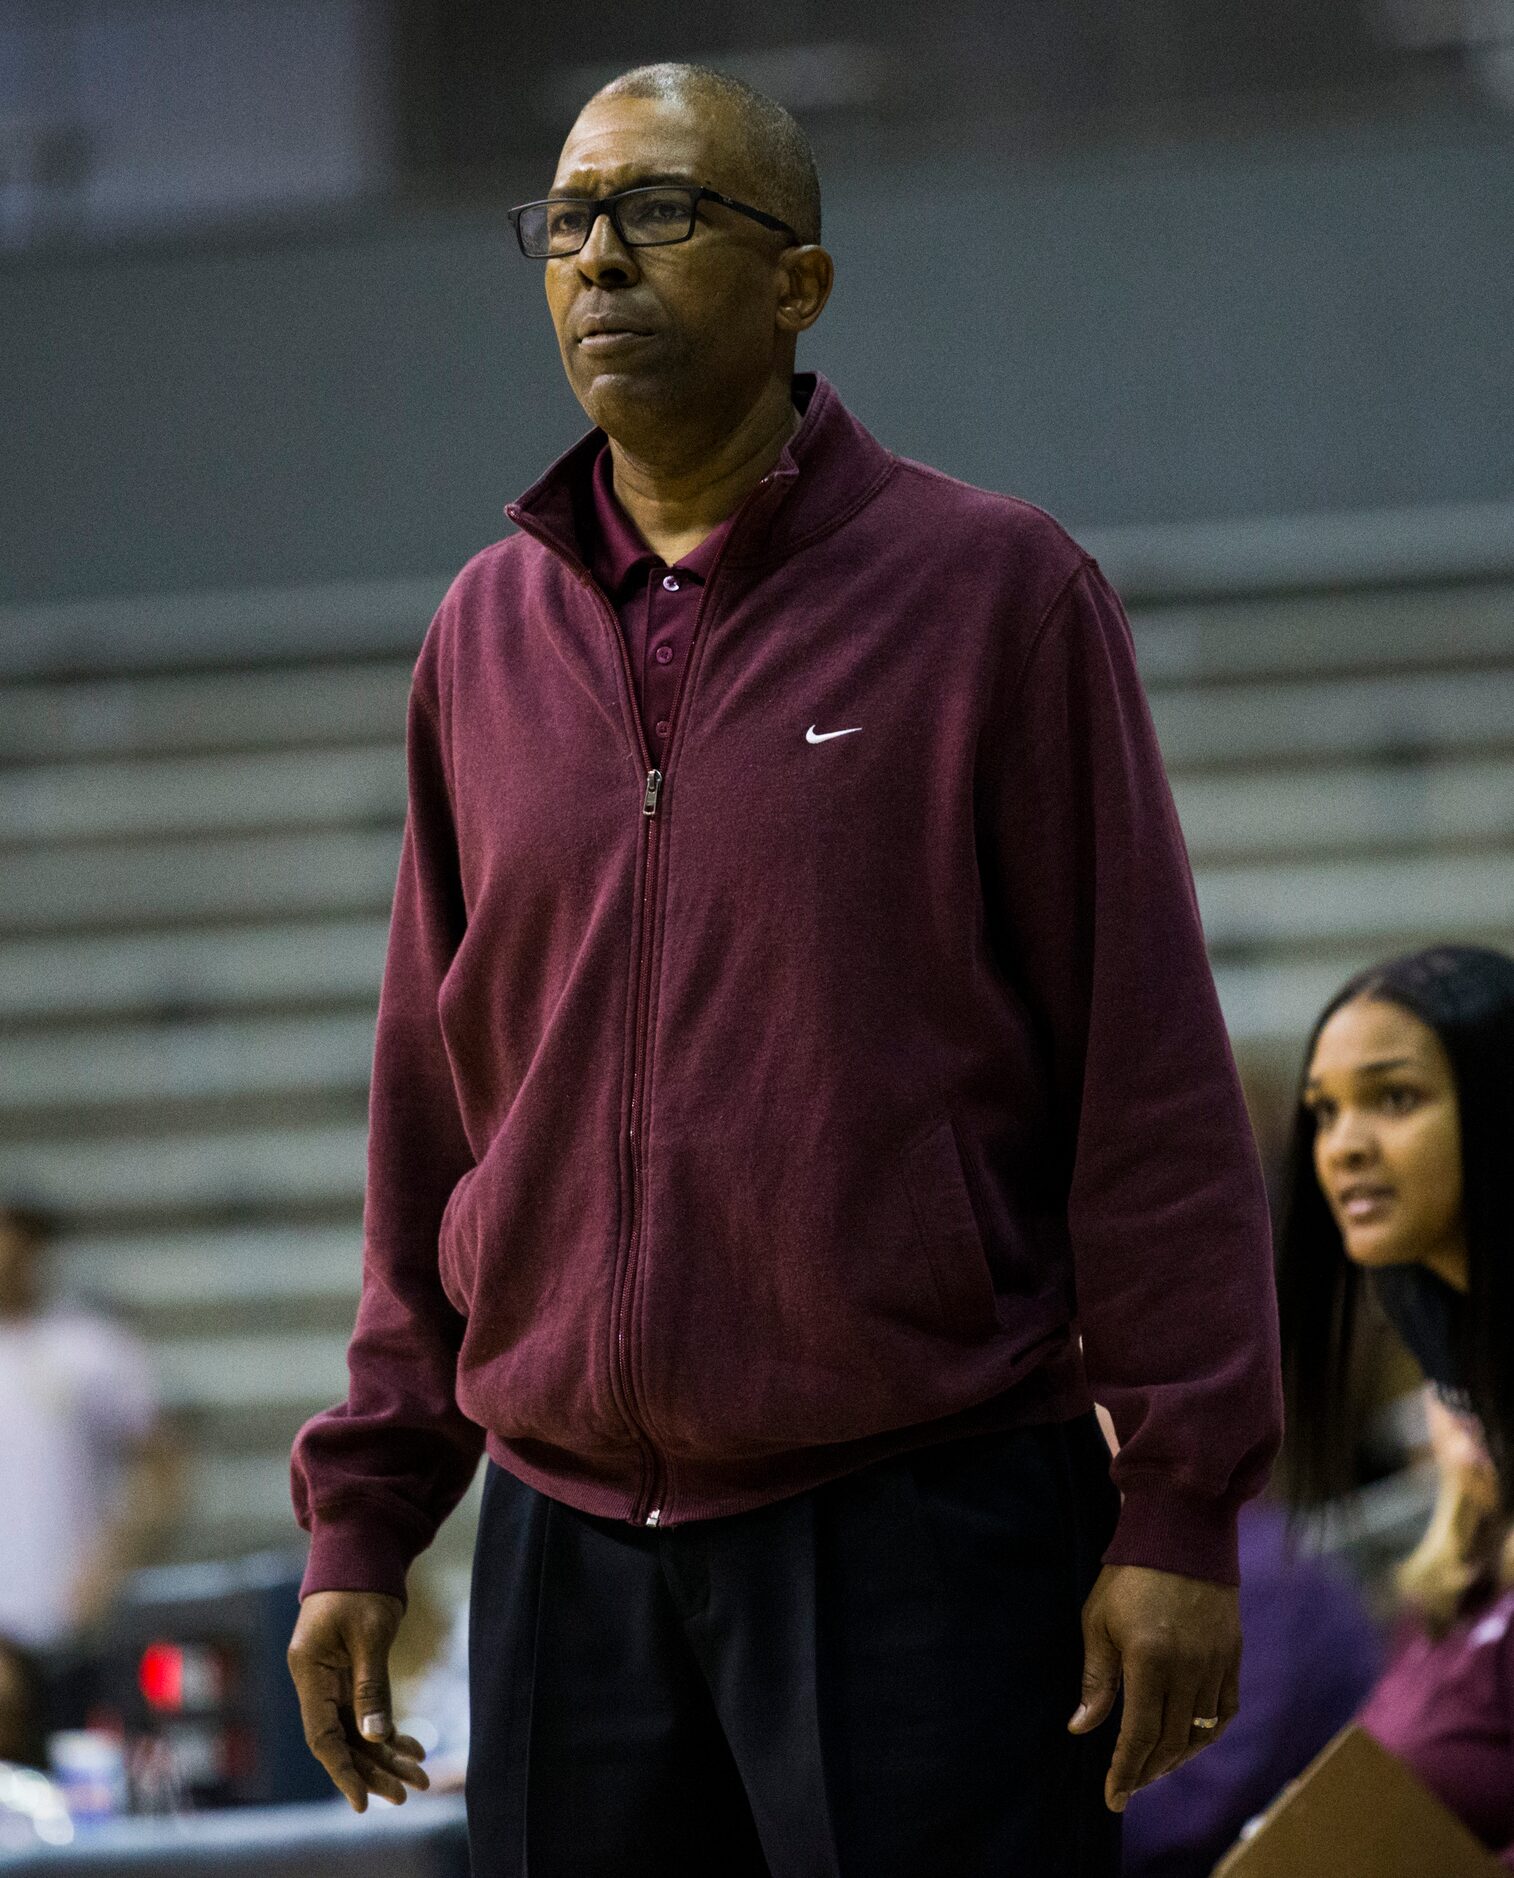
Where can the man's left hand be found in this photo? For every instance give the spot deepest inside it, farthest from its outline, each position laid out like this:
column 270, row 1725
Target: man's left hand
column 1175, row 1642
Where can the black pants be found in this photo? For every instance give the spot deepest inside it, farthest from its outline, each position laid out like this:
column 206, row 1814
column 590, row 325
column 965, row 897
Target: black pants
column 869, row 1680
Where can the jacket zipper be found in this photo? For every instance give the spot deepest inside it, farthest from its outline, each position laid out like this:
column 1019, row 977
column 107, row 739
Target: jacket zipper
column 646, row 1509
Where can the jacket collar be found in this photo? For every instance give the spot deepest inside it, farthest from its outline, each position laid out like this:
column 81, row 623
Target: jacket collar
column 825, row 472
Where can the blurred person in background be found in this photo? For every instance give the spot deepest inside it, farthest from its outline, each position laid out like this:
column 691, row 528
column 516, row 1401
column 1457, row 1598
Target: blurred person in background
column 88, row 1473
column 774, row 1154
column 432, row 1695
column 1396, row 1180
column 23, row 1707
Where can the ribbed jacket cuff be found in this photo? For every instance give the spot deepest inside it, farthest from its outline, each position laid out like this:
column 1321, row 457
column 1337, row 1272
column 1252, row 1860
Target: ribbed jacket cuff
column 354, row 1548
column 1173, row 1531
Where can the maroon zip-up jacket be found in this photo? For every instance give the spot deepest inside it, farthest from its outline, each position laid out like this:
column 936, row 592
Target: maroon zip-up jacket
column 849, row 1078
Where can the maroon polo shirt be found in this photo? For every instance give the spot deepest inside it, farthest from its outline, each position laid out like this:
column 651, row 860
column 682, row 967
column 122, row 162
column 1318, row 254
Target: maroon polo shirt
column 657, row 604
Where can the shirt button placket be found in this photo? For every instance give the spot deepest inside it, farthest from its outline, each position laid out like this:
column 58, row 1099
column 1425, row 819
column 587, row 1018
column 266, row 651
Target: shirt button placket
column 662, row 686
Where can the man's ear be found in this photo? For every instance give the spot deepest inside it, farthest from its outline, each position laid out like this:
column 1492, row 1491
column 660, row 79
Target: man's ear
column 810, row 274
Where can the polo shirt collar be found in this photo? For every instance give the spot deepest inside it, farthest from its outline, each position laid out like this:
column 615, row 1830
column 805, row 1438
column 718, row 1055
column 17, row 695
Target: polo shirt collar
column 618, row 557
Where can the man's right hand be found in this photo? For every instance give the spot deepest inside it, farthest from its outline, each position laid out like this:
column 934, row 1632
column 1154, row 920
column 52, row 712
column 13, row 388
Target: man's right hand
column 339, row 1658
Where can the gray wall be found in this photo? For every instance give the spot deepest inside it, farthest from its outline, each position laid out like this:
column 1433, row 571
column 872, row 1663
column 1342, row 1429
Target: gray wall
column 1269, row 323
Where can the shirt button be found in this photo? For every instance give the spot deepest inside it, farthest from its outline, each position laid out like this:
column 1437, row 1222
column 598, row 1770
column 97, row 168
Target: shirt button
column 670, row 581
column 662, row 727
column 663, row 654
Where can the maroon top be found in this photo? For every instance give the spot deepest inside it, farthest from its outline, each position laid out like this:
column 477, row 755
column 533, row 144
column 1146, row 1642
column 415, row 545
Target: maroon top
column 657, row 604
column 800, row 1094
column 1445, row 1707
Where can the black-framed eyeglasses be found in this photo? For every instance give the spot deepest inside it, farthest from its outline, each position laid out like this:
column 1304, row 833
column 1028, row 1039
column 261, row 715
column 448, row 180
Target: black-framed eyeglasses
column 649, row 216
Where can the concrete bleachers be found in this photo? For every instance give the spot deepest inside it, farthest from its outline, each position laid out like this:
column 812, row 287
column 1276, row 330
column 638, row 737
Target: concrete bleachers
column 185, row 1062
column 198, row 1173
column 1425, row 626
column 284, row 789
column 181, row 714
column 191, row 968
column 1358, row 808
column 1395, row 717
column 158, row 883
column 200, row 809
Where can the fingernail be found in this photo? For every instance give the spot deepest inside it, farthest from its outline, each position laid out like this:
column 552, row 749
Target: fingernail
column 1081, row 1716
column 375, row 1727
column 1120, row 1802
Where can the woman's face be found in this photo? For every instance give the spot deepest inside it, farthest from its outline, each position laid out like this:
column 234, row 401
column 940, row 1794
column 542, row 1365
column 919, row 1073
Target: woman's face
column 1387, row 1143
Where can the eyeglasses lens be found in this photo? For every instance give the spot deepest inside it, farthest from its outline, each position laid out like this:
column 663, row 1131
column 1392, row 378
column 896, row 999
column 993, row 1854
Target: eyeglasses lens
column 647, row 217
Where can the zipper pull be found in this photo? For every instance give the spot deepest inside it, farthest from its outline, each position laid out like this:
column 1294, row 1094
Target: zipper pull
column 649, row 800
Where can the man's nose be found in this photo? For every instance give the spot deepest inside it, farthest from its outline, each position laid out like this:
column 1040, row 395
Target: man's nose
column 604, row 255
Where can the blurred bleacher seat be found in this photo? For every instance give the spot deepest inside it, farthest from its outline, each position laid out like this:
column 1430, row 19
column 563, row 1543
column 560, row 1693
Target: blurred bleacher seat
column 200, row 810
column 1335, row 701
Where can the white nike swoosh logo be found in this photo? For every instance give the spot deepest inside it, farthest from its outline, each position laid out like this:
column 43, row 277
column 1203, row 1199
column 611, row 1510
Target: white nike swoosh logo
column 824, row 736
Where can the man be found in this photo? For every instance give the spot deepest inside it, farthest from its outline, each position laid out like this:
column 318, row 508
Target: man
column 799, row 1090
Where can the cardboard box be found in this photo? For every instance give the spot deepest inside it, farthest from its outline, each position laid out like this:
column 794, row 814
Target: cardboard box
column 1356, row 1812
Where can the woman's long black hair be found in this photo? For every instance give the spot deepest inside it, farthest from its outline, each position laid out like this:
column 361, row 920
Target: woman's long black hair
column 1466, row 996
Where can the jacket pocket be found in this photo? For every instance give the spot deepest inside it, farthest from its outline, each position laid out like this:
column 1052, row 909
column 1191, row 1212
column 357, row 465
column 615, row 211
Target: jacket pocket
column 453, row 1266
column 948, row 1230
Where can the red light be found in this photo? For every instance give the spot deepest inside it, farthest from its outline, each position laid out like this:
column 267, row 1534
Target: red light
column 160, row 1676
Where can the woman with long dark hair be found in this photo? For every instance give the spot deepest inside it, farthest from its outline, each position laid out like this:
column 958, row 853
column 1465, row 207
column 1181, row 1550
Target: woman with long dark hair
column 1403, row 1167
column 1397, row 1179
